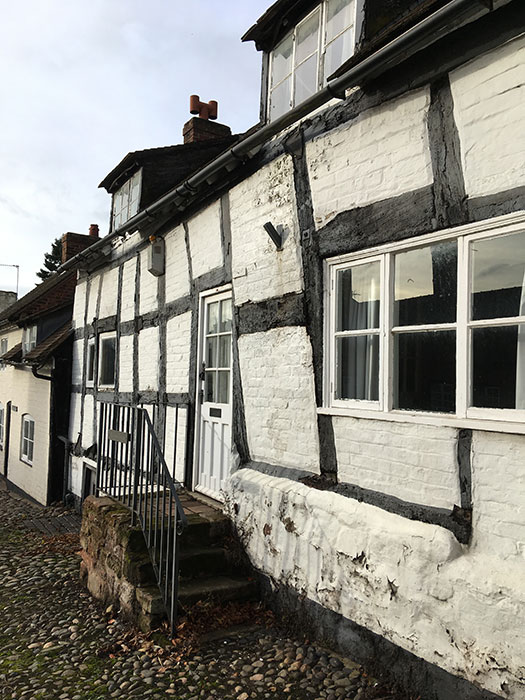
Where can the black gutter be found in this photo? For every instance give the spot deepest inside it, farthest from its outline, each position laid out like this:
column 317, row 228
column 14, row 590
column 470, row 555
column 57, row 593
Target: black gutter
column 414, row 39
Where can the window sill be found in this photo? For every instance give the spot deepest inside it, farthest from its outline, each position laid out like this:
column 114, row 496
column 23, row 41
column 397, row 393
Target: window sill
column 26, row 461
column 437, row 419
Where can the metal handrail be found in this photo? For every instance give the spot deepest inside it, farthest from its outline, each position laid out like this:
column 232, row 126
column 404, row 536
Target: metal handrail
column 131, row 469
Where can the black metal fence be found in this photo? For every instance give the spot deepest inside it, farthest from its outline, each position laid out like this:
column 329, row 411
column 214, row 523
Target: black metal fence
column 131, row 469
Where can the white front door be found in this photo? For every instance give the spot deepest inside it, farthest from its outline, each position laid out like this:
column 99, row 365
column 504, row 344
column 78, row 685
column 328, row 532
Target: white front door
column 214, row 398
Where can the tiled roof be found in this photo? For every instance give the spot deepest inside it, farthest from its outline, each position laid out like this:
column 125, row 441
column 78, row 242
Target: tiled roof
column 45, row 349
column 55, row 293
column 13, row 355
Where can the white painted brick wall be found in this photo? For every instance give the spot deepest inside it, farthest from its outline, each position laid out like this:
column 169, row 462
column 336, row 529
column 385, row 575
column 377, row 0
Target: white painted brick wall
column 489, row 107
column 126, row 363
column 148, row 286
column 79, row 304
column 177, row 276
column 127, row 307
column 259, row 270
column 77, row 362
column 498, row 473
column 149, row 359
column 178, row 345
column 454, row 606
column 88, row 437
column 108, row 298
column 93, row 297
column 416, row 463
column 279, row 398
column 205, row 240
column 175, row 452
column 74, row 417
column 382, row 153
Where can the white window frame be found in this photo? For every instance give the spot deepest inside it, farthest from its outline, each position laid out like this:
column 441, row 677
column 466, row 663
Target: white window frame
column 24, row 455
column 101, row 338
column 2, row 424
column 503, row 420
column 124, row 207
column 91, row 348
column 29, row 339
column 321, row 50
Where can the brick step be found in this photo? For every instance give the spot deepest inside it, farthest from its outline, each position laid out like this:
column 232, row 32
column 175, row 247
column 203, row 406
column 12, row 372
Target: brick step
column 220, row 588
column 197, row 562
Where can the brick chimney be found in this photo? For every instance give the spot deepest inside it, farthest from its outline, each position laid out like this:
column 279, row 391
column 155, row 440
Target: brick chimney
column 74, row 243
column 200, row 128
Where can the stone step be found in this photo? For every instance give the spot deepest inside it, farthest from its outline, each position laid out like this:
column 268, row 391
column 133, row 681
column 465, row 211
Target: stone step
column 197, row 562
column 220, row 588
column 203, row 532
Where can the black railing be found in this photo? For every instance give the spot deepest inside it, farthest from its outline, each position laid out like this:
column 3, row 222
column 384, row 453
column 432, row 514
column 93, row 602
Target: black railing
column 131, row 469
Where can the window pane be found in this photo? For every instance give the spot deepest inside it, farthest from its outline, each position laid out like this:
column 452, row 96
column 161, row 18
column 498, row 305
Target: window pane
column 498, row 367
column 280, row 99
column 213, row 317
column 306, row 81
column 426, row 285
column 107, row 372
column 282, row 60
column 224, row 350
column 223, row 392
column 338, row 51
column 425, row 368
column 31, row 430
column 357, row 368
column 30, row 451
column 358, row 290
column 307, row 38
column 226, row 316
column 339, row 16
column 211, row 352
column 91, row 363
column 210, row 386
column 498, row 277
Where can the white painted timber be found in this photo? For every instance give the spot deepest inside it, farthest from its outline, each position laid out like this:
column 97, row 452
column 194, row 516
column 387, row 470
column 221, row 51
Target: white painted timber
column 178, row 346
column 382, row 153
column 79, row 304
column 205, row 240
column 414, row 462
column 175, row 449
column 94, row 287
column 259, row 270
column 177, row 275
column 489, row 108
column 77, row 362
column 279, row 397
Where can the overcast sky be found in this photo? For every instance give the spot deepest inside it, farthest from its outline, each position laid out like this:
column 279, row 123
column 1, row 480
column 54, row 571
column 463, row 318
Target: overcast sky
column 84, row 83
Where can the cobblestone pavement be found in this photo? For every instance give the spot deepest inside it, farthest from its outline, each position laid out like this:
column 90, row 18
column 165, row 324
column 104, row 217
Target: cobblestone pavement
column 56, row 642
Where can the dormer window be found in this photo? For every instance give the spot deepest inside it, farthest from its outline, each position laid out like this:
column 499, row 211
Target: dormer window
column 301, row 63
column 29, row 339
column 126, row 200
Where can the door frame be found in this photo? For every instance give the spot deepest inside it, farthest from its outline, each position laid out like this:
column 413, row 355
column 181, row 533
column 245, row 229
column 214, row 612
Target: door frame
column 203, row 296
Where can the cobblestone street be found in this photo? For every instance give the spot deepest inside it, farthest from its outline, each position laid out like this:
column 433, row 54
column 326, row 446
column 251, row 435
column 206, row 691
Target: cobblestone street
column 56, row 642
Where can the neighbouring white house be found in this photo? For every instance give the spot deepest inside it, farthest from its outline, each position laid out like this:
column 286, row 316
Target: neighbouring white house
column 326, row 319
column 35, row 371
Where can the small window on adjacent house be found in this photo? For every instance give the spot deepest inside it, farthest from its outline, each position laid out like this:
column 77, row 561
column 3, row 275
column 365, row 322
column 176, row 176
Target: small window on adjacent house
column 3, row 350
column 126, row 201
column 90, row 375
column 29, row 339
column 28, row 439
column 107, row 359
column 2, row 423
